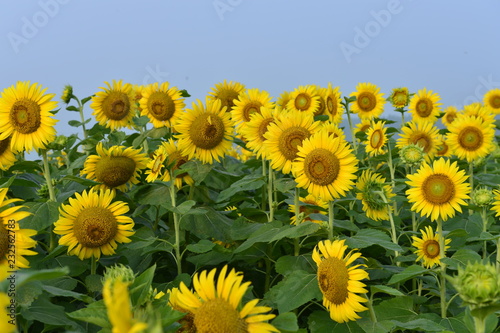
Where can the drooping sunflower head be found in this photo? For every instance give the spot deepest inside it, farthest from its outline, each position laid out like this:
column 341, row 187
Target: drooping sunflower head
column 400, row 97
column 162, row 104
column 304, row 99
column 339, row 282
column 325, row 166
column 425, row 106
column 226, row 92
column 450, row 114
column 377, row 138
column 470, row 138
column 422, row 134
column 256, row 128
column 438, row 190
column 491, row 100
column 205, row 131
column 333, row 107
column 308, row 208
column 428, row 248
column 215, row 306
column 115, row 168
column 374, row 195
column 369, row 102
column 174, row 160
column 25, row 116
column 91, row 224
column 67, row 93
column 114, row 106
column 7, row 157
column 248, row 103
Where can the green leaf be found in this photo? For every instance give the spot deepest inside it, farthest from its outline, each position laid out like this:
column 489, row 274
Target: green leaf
column 46, row 312
column 153, row 194
column 399, row 308
column 8, row 182
column 67, row 293
column 454, row 325
column 95, row 313
column 320, row 322
column 288, row 264
column 197, row 170
column 247, row 183
column 304, row 229
column 285, row 185
column 264, row 234
column 408, row 273
column 295, row 290
column 461, row 258
column 385, row 289
column 74, row 123
column 209, row 224
column 86, row 99
column 367, row 324
column 28, row 274
column 139, row 290
column 72, row 108
column 368, row 237
column 79, row 180
column 286, row 322
column 184, row 207
column 157, row 133
column 202, row 246
column 420, row 324
column 43, row 215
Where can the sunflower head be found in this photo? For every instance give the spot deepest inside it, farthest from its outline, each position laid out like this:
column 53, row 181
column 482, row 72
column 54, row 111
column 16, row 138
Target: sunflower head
column 369, row 101
column 425, row 106
column 307, row 209
column 450, row 114
column 412, row 155
column 492, row 100
column 162, row 104
column 482, row 196
column 304, row 99
column 400, row 97
column 374, row 195
column 226, row 93
column 377, row 138
column 428, row 247
column 67, row 93
column 248, row 103
column 422, row 134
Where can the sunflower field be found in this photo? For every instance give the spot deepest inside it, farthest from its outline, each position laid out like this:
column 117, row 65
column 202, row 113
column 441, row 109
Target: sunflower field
column 242, row 212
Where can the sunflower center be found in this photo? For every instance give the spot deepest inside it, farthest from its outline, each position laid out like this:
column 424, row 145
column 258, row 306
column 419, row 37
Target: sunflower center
column 366, row 101
column 331, row 106
column 4, row 144
column 25, row 116
column 450, row 117
column 470, row 138
column 333, row 279
column 290, row 139
column 302, row 102
column 399, row 98
column 431, row 248
column 227, row 97
column 249, row 109
column 207, row 131
column 376, row 139
column 321, row 166
column 4, row 241
column 443, row 149
column 161, row 105
column 424, row 107
column 423, row 140
column 438, row 189
column 116, row 106
column 495, row 101
column 263, row 128
column 217, row 315
column 95, row 226
column 114, row 171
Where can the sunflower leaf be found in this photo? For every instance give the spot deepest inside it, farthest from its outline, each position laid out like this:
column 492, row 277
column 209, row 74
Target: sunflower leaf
column 319, row 322
column 247, row 183
column 408, row 273
column 95, row 313
column 368, row 237
column 286, row 322
column 44, row 215
column 140, row 288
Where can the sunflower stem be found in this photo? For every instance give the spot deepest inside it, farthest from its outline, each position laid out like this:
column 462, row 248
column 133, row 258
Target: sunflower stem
column 393, row 225
column 479, row 324
column 442, row 285
column 471, row 181
column 52, row 195
column 82, row 117
column 264, row 187
column 354, row 143
column 270, row 188
column 391, row 172
column 177, row 245
column 93, row 265
column 485, row 227
column 373, row 316
column 298, row 220
column 330, row 219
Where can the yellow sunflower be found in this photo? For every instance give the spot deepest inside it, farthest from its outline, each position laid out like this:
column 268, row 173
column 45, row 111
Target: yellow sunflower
column 325, row 166
column 479, row 111
column 6, row 322
column 7, row 157
column 226, row 92
column 377, row 138
column 443, row 149
column 450, row 114
column 216, row 306
column 321, row 92
column 339, row 283
column 428, row 249
column 332, row 129
column 470, row 138
column 421, row 134
column 12, row 258
column 282, row 101
column 91, row 224
column 255, row 129
column 309, row 200
column 333, row 107
column 205, row 131
column 25, row 116
column 115, row 168
column 174, row 159
column 115, row 106
column 156, row 165
column 424, row 106
column 362, row 126
column 249, row 102
column 438, row 191
column 304, row 99
column 496, row 203
column 284, row 136
column 162, row 104
column 491, row 100
column 369, row 186
column 400, row 97
column 117, row 300
column 369, row 101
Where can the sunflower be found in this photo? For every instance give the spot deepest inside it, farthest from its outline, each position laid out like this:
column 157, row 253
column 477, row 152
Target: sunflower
column 477, row 110
column 422, row 134
column 117, row 300
column 282, row 101
column 333, row 107
column 156, row 165
column 249, row 102
column 438, row 191
column 240, row 153
column 424, row 106
column 162, row 104
column 6, row 322
column 470, row 138
column 377, row 138
column 92, row 225
column 369, row 101
column 255, row 129
column 339, row 283
column 115, row 168
column 284, row 136
column 491, row 100
column 10, row 231
column 496, row 202
column 332, row 129
column 114, row 107
column 67, row 94
column 7, row 157
column 174, row 159
column 205, row 131
column 214, row 306
column 450, row 114
column 428, row 247
column 321, row 92
column 443, row 149
column 362, row 126
column 304, row 99
column 25, row 116
column 399, row 97
column 369, row 185
column 325, row 166
column 307, row 210
column 226, row 93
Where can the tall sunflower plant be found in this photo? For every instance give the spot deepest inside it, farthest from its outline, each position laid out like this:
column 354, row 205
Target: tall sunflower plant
column 241, row 212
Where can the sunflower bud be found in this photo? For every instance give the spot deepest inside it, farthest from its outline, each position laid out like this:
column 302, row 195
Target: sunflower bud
column 400, row 97
column 482, row 197
column 67, row 93
column 412, row 155
column 122, row 272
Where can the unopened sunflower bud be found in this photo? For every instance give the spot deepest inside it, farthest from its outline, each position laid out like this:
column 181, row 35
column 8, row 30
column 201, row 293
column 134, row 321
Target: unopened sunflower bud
column 122, row 272
column 482, row 197
column 67, row 93
column 412, row 155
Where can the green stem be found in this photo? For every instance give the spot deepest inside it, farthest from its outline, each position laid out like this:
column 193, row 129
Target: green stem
column 331, row 217
column 177, row 245
column 485, row 227
column 442, row 285
column 270, row 187
column 298, row 220
column 52, row 195
column 373, row 316
column 157, row 218
column 471, row 182
column 479, row 324
column 264, row 187
column 82, row 117
column 498, row 255
column 391, row 172
column 393, row 225
column 354, row 142
column 93, row 266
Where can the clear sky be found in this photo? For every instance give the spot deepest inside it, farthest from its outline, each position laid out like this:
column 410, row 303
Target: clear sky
column 449, row 46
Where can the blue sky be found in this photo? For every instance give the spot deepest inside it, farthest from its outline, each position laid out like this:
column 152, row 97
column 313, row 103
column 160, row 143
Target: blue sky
column 447, row 46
